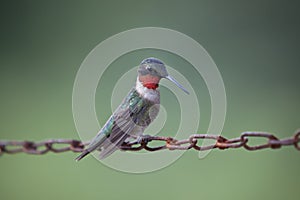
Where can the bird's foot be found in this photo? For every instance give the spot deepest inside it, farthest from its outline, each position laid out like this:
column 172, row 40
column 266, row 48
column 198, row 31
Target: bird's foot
column 141, row 139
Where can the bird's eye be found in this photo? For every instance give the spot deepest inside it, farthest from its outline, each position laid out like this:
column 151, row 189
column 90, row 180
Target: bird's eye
column 149, row 69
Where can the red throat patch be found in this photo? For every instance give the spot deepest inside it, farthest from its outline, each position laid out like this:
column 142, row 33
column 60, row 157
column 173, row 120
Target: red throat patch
column 150, row 82
column 152, row 86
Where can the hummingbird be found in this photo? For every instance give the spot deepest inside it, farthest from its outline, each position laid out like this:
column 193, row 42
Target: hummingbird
column 138, row 109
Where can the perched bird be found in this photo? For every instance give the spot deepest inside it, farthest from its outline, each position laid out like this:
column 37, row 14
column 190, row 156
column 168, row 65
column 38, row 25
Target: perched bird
column 139, row 108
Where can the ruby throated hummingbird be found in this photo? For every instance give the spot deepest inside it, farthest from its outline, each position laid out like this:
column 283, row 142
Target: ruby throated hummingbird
column 139, row 108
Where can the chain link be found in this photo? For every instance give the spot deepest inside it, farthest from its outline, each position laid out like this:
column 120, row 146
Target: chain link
column 39, row 148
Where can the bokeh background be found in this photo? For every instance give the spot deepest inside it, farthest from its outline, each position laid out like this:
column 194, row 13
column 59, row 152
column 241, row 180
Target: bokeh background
column 255, row 45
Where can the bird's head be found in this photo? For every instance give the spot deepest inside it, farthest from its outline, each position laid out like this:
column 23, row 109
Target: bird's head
column 152, row 70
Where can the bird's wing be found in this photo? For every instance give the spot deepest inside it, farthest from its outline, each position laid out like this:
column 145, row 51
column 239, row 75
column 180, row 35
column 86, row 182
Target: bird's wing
column 115, row 130
column 121, row 130
column 124, row 121
column 131, row 113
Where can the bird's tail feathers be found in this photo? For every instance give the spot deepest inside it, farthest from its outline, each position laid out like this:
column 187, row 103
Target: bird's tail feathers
column 82, row 155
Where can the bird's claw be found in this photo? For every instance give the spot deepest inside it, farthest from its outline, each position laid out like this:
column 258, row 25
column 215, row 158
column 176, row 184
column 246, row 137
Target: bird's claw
column 142, row 139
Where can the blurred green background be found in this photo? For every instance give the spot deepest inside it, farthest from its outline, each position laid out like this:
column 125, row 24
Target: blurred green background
column 255, row 45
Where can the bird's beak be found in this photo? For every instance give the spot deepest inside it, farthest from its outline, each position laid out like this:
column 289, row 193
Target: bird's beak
column 170, row 78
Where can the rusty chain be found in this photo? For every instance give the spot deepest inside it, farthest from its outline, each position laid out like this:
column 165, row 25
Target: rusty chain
column 39, row 148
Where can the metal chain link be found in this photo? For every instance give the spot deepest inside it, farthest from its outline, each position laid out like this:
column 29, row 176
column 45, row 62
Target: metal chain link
column 39, row 148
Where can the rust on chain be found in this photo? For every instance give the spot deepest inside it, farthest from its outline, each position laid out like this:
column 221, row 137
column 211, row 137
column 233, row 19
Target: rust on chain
column 39, row 148
column 219, row 142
